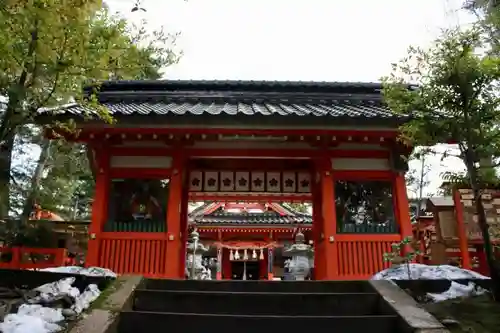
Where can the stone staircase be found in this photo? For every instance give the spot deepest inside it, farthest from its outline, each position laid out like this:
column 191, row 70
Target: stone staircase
column 258, row 307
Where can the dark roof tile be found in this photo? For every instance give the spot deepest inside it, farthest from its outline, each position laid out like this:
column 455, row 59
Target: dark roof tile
column 245, row 98
column 221, row 217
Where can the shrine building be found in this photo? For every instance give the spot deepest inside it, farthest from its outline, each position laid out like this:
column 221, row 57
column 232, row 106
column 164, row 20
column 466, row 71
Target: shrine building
column 332, row 145
column 247, row 239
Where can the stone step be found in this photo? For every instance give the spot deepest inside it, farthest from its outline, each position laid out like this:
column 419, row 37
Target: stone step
column 257, row 303
column 155, row 322
column 261, row 286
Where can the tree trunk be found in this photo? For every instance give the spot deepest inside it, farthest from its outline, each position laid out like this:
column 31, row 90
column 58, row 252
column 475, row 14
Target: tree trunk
column 6, row 149
column 483, row 225
column 35, row 180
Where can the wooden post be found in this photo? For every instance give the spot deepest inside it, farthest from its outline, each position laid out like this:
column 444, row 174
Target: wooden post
column 219, row 263
column 461, row 230
column 99, row 207
column 270, row 263
column 226, row 265
column 174, row 247
column 329, row 248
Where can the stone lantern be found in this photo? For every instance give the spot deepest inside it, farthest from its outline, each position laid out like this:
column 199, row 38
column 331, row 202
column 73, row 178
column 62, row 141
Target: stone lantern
column 194, row 260
column 300, row 252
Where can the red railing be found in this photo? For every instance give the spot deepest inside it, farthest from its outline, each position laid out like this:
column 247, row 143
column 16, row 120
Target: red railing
column 134, row 253
column 361, row 256
column 31, row 258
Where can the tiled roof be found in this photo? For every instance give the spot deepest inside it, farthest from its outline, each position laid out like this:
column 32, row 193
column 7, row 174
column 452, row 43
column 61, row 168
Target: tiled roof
column 222, row 217
column 252, row 219
column 242, row 98
column 446, row 201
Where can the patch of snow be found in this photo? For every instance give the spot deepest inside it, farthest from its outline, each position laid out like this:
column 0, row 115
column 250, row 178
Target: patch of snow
column 427, row 272
column 51, row 291
column 32, row 319
column 437, row 272
column 457, row 290
column 83, row 301
column 36, row 318
column 88, row 271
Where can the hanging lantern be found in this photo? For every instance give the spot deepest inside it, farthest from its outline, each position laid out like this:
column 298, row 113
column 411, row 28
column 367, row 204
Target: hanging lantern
column 245, row 255
column 254, row 254
column 236, row 255
column 261, row 255
column 231, row 255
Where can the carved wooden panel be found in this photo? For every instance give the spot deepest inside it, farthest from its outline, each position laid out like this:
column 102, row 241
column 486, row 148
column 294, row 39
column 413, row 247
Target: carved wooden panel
column 289, row 182
column 242, row 181
column 227, row 181
column 304, row 182
column 196, row 181
column 258, row 181
column 211, row 181
column 273, row 182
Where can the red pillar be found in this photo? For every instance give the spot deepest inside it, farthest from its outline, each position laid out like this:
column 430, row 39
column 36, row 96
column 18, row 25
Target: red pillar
column 174, row 247
column 328, row 250
column 402, row 206
column 184, row 221
column 317, row 215
column 218, row 276
column 461, row 230
column 99, row 207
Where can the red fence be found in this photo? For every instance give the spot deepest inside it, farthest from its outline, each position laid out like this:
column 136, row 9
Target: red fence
column 31, row 258
column 134, row 253
column 361, row 256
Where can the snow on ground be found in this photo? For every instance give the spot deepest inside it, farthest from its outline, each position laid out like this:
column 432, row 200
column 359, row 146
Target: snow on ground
column 35, row 318
column 438, row 272
column 89, row 271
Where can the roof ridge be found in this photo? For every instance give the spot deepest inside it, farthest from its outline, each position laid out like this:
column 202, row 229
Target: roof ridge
column 215, row 85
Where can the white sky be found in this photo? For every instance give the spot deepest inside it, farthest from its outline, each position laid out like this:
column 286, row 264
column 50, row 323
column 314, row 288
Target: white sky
column 308, row 40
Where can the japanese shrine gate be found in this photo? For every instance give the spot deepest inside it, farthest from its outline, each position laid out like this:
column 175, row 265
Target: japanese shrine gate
column 331, row 144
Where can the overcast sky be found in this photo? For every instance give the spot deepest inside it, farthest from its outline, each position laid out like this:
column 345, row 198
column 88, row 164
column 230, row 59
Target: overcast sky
column 308, row 40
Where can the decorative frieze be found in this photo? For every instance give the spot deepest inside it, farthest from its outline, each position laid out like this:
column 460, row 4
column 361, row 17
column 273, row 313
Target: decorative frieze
column 273, row 182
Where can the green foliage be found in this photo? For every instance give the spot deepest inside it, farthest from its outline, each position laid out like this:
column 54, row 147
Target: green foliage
column 35, row 235
column 67, row 186
column 456, row 100
column 405, row 251
column 50, row 50
column 298, row 207
column 417, row 180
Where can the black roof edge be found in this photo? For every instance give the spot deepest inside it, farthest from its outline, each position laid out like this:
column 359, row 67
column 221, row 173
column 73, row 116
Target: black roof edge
column 228, row 85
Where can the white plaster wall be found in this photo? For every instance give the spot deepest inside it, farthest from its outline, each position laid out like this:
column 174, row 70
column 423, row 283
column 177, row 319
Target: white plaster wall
column 377, row 164
column 360, row 146
column 162, row 162
column 251, row 145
